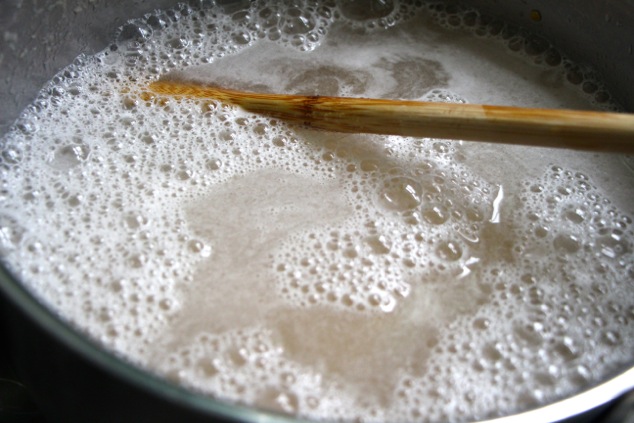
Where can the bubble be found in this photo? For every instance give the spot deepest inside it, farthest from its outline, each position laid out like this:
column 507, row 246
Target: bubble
column 134, row 31
column 241, row 37
column 567, row 243
column 26, row 126
column 534, row 45
column 199, row 247
column 611, row 244
column 611, row 338
column 297, row 21
column 576, row 216
column 75, row 200
column 492, row 353
column 11, row 233
column 137, row 260
column 11, row 155
column 71, row 155
column 530, row 333
column 436, row 214
column 157, row 21
column 379, row 244
column 567, row 349
column 280, row 141
column 481, row 323
column 135, row 220
column 184, row 174
column 552, row 57
column 369, row 165
column 213, row 164
column 449, row 250
column 178, row 43
column 444, row 96
column 441, row 147
column 401, row 193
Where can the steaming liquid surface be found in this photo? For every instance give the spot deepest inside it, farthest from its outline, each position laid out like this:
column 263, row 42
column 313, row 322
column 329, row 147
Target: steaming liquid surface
column 326, row 275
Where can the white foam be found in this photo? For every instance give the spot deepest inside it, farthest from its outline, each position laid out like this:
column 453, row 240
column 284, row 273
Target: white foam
column 331, row 276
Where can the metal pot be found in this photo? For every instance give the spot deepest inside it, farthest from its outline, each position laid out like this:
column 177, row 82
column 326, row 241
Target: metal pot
column 68, row 377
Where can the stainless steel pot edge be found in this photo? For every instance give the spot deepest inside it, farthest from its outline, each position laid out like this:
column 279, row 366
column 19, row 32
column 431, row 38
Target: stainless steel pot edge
column 584, row 402
column 98, row 356
column 594, row 399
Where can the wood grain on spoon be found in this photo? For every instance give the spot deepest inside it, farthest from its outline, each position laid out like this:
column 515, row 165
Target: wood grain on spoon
column 580, row 130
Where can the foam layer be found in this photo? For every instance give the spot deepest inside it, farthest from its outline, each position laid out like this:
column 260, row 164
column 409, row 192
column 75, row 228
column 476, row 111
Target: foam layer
column 331, row 276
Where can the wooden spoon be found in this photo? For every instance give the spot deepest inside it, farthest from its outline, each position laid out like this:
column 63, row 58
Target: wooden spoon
column 580, row 130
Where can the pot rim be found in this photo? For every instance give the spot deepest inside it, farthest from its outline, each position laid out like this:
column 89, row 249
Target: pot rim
column 594, row 397
column 125, row 371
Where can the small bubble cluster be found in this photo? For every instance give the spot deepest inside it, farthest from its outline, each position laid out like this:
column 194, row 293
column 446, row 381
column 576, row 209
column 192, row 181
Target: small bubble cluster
column 330, row 276
column 249, row 368
column 425, row 216
column 552, row 312
column 535, row 48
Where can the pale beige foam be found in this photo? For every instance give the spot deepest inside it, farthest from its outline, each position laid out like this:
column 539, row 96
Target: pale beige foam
column 274, row 265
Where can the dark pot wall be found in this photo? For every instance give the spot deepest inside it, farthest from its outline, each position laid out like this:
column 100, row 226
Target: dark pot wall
column 68, row 382
column 42, row 37
column 597, row 33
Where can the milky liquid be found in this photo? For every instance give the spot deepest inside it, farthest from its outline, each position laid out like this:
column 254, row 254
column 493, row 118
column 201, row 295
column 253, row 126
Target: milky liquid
column 326, row 275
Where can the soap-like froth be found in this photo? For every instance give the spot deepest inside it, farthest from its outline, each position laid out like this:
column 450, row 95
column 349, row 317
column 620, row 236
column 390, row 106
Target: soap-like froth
column 326, row 275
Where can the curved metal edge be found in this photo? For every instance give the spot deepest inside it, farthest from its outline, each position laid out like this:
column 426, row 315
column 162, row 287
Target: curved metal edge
column 596, row 398
column 127, row 372
column 592, row 399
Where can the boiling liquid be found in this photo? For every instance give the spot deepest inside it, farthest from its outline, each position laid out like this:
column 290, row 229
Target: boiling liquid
column 326, row 275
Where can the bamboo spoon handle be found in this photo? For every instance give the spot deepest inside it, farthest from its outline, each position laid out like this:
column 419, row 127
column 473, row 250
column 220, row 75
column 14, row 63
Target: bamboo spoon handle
column 581, row 130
